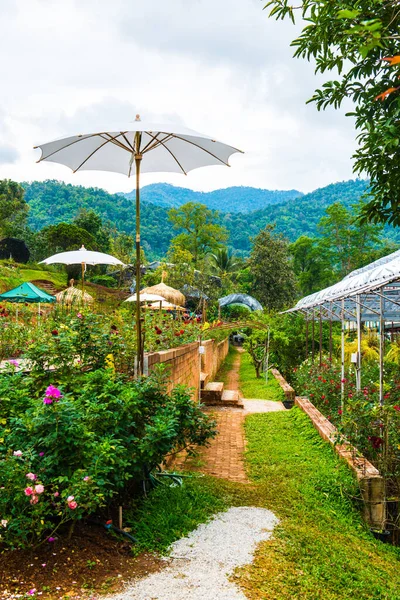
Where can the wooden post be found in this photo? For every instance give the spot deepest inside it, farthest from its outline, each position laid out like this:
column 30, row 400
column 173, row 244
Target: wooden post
column 381, row 347
column 313, row 334
column 306, row 335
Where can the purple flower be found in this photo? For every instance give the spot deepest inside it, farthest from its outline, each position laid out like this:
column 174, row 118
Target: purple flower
column 13, row 363
column 41, row 453
column 51, row 539
column 79, row 316
column 52, row 394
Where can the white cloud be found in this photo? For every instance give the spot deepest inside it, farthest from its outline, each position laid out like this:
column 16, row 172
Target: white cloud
column 218, row 67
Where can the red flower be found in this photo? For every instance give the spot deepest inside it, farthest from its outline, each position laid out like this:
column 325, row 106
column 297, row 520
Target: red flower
column 182, row 331
column 322, row 397
column 396, row 407
column 375, row 441
column 54, row 332
column 340, row 412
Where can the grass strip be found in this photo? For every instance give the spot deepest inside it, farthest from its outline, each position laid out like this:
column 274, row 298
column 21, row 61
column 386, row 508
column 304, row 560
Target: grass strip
column 169, row 513
column 321, row 549
column 251, row 387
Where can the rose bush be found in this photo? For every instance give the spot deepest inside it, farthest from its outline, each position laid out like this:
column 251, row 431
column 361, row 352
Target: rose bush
column 69, row 449
column 371, row 428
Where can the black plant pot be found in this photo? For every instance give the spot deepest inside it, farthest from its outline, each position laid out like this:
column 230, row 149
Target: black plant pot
column 288, row 404
column 382, row 535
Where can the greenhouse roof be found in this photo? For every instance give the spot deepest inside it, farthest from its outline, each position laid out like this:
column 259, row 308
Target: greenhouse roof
column 367, row 281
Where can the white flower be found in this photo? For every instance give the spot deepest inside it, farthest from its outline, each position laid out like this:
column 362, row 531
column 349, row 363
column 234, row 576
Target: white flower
column 4, row 522
column 17, row 452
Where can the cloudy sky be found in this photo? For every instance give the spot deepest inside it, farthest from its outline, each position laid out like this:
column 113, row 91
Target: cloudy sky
column 217, row 66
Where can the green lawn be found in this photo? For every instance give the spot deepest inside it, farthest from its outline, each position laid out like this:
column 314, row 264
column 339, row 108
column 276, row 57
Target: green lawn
column 321, row 549
column 251, row 387
column 12, row 277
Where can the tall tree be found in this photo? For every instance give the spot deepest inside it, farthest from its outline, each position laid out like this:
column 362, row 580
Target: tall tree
column 311, row 264
column 274, row 280
column 359, row 43
column 13, row 208
column 348, row 243
column 200, row 231
column 92, row 222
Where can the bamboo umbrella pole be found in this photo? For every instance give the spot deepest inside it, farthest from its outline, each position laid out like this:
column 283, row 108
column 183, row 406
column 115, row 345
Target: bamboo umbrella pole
column 138, row 159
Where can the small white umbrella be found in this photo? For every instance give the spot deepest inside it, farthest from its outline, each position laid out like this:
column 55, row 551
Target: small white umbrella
column 145, row 298
column 139, row 146
column 82, row 257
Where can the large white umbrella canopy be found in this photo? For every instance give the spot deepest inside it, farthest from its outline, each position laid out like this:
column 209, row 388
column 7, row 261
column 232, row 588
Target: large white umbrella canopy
column 138, row 147
column 82, row 257
column 165, row 148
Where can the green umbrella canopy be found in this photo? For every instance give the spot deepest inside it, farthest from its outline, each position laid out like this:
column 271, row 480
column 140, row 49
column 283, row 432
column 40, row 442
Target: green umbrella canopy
column 27, row 292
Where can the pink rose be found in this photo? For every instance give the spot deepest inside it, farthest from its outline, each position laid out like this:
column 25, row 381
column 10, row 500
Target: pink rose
column 52, row 393
column 31, row 476
column 56, row 494
column 29, row 491
column 70, row 498
column 72, row 505
column 17, row 452
column 34, row 499
column 39, row 489
column 86, row 478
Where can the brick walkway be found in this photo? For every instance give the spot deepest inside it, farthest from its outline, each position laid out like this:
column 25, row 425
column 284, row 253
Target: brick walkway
column 224, row 457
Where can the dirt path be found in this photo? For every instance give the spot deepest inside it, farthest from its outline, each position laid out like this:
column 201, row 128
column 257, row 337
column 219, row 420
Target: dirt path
column 224, row 457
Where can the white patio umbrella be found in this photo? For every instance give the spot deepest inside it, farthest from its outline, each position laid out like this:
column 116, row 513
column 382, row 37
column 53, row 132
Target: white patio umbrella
column 82, row 257
column 145, row 298
column 143, row 147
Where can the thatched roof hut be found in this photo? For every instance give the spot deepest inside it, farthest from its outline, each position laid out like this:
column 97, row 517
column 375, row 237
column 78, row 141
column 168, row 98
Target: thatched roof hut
column 169, row 293
column 73, row 295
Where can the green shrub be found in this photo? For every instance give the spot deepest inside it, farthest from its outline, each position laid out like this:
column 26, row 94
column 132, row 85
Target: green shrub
column 66, row 453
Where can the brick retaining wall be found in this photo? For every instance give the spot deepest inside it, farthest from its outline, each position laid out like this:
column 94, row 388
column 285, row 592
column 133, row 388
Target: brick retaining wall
column 184, row 362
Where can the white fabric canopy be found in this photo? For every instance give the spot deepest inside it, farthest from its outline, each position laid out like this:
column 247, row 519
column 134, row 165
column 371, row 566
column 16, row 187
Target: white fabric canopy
column 82, row 256
column 146, row 298
column 165, row 148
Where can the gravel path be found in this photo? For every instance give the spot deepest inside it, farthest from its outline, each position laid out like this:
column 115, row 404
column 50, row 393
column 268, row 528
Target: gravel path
column 200, row 564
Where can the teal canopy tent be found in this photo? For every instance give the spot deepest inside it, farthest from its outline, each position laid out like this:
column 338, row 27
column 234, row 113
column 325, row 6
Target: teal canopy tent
column 27, row 292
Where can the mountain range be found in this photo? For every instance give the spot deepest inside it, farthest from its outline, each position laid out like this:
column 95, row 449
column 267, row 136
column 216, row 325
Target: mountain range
column 231, row 200
column 293, row 213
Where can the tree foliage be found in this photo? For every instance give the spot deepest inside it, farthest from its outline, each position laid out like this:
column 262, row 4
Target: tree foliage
column 200, row 231
column 273, row 276
column 359, row 43
column 13, row 208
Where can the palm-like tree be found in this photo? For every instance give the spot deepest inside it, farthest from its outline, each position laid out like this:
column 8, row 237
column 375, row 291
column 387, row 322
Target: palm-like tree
column 223, row 261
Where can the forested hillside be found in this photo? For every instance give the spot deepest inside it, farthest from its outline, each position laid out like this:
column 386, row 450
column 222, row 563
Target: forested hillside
column 52, row 202
column 239, row 199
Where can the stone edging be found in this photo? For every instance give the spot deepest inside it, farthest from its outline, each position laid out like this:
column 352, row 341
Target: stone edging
column 371, row 482
column 286, row 387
